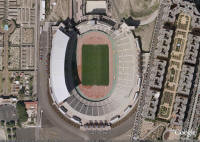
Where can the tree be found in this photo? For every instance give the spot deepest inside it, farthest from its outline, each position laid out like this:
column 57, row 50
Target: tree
column 17, row 78
column 11, row 79
column 14, row 129
column 31, row 78
column 21, row 111
column 9, row 137
column 19, row 123
column 2, row 122
column 7, row 124
column 14, row 136
column 8, row 130
column 22, row 90
column 12, row 123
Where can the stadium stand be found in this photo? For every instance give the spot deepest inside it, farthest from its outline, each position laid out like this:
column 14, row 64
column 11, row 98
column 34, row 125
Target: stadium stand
column 125, row 90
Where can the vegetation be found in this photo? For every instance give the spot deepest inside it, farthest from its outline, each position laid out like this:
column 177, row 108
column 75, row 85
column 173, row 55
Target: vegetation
column 17, row 78
column 10, row 123
column 11, row 79
column 47, row 7
column 9, row 137
column 4, row 22
column 8, row 130
column 14, row 129
column 198, row 133
column 167, row 98
column 22, row 90
column 169, row 26
column 21, row 111
column 150, row 120
column 2, row 122
column 3, row 79
column 31, row 78
column 95, row 65
column 19, row 123
column 14, row 136
column 17, row 25
column 196, row 31
column 164, row 112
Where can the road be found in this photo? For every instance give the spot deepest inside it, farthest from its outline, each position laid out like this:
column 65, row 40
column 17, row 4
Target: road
column 65, row 129
column 146, row 77
column 41, row 82
column 50, row 112
column 42, row 86
column 152, row 130
column 6, row 35
column 194, row 107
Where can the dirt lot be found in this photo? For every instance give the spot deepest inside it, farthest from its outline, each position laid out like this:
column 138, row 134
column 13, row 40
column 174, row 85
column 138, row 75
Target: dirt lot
column 124, row 137
column 135, row 8
column 50, row 132
column 145, row 32
column 59, row 9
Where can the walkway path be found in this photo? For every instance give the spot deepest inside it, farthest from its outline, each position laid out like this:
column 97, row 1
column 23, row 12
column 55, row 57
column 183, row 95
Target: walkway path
column 5, row 65
column 143, row 21
column 68, row 131
column 11, row 28
column 150, row 19
column 194, row 107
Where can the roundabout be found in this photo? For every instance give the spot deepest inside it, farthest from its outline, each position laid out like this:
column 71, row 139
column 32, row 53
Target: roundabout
column 7, row 26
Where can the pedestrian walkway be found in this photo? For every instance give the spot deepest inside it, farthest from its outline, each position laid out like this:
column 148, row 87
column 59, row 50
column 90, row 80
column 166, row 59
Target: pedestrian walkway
column 10, row 27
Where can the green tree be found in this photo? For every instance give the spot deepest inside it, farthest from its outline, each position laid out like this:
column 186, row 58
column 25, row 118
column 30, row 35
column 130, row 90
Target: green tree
column 31, row 78
column 12, row 123
column 14, row 136
column 8, row 130
column 8, row 124
column 22, row 90
column 17, row 78
column 19, row 123
column 11, row 79
column 21, row 111
column 14, row 129
column 9, row 137
column 2, row 122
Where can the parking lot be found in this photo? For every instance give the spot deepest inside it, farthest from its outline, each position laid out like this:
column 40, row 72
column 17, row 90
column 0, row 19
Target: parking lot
column 8, row 113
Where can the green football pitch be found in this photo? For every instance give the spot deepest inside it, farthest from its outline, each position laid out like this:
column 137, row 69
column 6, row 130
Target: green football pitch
column 95, row 65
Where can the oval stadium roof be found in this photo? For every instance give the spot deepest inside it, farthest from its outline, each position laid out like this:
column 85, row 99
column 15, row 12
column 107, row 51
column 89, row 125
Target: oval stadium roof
column 57, row 64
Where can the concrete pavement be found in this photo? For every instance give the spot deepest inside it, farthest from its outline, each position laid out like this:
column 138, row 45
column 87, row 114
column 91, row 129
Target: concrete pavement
column 5, row 65
column 5, row 76
column 43, row 96
column 139, row 118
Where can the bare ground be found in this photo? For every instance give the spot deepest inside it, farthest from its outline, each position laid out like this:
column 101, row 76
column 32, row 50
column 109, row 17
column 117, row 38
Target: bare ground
column 58, row 11
column 145, row 33
column 135, row 8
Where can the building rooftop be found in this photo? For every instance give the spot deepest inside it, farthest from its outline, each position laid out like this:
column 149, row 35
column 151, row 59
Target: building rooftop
column 57, row 66
column 96, row 7
column 31, row 105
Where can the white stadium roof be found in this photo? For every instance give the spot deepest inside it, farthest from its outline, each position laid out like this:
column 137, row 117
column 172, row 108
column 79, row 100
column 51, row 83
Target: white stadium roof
column 57, row 67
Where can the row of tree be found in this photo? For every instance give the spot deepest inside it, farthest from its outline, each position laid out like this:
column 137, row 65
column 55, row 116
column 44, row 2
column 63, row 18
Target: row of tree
column 21, row 112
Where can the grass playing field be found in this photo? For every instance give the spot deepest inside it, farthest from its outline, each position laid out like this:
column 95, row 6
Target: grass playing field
column 95, row 65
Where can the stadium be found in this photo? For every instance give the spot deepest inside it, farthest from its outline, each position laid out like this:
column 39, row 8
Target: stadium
column 94, row 71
